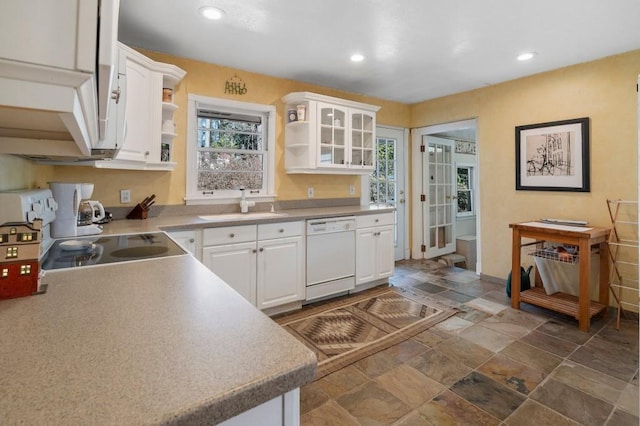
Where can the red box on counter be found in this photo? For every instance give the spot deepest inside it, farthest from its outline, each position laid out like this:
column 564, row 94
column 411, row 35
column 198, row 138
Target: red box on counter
column 18, row 279
column 19, row 252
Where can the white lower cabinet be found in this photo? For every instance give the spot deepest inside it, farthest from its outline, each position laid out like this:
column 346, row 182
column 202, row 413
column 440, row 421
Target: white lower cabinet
column 283, row 410
column 374, row 247
column 264, row 263
column 280, row 277
column 230, row 253
column 188, row 240
column 235, row 264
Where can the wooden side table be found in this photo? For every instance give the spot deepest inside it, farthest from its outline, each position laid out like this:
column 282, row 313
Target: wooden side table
column 581, row 307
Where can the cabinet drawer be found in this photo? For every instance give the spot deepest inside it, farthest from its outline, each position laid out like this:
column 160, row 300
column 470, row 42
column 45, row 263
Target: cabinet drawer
column 228, row 235
column 369, row 220
column 269, row 231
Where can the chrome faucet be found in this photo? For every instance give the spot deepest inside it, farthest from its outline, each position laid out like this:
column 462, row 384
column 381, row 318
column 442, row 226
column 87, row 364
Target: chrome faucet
column 244, row 203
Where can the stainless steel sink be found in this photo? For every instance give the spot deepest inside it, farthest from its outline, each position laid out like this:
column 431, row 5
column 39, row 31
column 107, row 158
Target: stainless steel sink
column 241, row 216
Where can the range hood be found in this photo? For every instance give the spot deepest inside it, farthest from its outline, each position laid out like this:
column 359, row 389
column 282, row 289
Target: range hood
column 57, row 67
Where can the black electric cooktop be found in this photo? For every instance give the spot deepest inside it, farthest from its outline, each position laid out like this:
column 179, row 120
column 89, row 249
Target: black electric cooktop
column 103, row 249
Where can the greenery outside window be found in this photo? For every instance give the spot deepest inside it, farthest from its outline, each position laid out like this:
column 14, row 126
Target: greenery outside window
column 464, row 178
column 230, row 146
column 382, row 181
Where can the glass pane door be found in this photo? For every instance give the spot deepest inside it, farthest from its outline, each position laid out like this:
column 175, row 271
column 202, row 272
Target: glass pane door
column 440, row 185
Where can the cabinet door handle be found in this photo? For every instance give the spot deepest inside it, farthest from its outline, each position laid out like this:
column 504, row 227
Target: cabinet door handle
column 281, row 230
column 254, row 250
column 115, row 94
column 231, row 235
column 192, row 240
column 261, row 248
column 377, row 220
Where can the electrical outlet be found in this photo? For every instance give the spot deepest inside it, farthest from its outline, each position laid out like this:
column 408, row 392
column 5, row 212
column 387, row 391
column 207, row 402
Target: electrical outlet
column 125, row 196
column 352, row 190
column 310, row 192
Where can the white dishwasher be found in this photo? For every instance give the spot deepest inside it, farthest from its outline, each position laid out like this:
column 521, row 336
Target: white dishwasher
column 331, row 256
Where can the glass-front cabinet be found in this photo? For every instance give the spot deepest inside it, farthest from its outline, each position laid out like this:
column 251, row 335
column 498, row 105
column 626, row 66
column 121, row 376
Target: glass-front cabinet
column 333, row 136
column 362, row 137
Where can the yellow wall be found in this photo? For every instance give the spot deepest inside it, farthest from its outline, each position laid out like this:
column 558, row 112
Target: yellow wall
column 603, row 90
column 18, row 173
column 209, row 80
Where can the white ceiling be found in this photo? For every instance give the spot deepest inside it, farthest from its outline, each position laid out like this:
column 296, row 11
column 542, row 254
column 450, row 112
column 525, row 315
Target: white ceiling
column 415, row 49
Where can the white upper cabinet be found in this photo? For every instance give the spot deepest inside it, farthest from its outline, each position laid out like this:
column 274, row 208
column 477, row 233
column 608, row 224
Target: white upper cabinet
column 139, row 109
column 57, row 66
column 149, row 121
column 337, row 136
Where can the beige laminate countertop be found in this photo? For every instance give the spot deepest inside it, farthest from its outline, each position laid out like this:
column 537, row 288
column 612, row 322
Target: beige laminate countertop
column 148, row 342
column 159, row 341
column 176, row 222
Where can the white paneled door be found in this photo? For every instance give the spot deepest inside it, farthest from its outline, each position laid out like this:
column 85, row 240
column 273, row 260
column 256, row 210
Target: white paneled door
column 387, row 182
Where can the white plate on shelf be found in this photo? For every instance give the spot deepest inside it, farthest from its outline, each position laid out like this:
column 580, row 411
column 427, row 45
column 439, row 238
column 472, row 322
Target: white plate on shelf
column 76, row 245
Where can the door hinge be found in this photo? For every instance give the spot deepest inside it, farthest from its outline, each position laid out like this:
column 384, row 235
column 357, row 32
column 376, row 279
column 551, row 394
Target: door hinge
column 423, row 197
column 422, row 149
column 423, row 248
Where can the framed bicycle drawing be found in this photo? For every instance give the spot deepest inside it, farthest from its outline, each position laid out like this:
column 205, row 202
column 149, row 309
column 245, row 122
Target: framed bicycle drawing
column 553, row 156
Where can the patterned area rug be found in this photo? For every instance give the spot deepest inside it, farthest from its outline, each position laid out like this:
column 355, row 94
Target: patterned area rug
column 345, row 331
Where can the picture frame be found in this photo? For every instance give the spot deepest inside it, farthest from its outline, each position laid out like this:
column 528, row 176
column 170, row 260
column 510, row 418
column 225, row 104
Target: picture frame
column 553, row 156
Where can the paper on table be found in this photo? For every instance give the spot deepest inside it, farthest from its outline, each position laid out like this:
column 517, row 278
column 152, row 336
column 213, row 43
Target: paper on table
column 558, row 227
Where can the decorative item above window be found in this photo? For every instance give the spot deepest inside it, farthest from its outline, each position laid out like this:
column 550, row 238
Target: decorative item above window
column 553, row 156
column 464, row 147
column 235, row 86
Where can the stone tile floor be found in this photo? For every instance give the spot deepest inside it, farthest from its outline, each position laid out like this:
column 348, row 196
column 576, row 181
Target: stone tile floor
column 487, row 365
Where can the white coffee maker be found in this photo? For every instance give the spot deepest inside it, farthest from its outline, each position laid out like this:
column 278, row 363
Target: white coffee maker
column 68, row 221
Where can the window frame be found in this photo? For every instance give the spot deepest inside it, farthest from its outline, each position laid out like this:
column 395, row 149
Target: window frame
column 472, row 179
column 376, row 170
column 194, row 102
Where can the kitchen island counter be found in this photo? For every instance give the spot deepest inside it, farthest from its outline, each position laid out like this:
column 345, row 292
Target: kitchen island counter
column 160, row 341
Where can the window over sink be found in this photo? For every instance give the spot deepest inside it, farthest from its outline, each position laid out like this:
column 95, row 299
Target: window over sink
column 230, row 145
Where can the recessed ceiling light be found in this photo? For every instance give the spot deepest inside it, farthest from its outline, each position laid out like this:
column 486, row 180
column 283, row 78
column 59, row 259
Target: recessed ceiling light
column 526, row 56
column 357, row 57
column 211, row 12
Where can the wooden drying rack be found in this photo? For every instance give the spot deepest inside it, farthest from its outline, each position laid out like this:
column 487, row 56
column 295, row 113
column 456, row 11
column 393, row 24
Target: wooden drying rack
column 581, row 307
column 618, row 242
